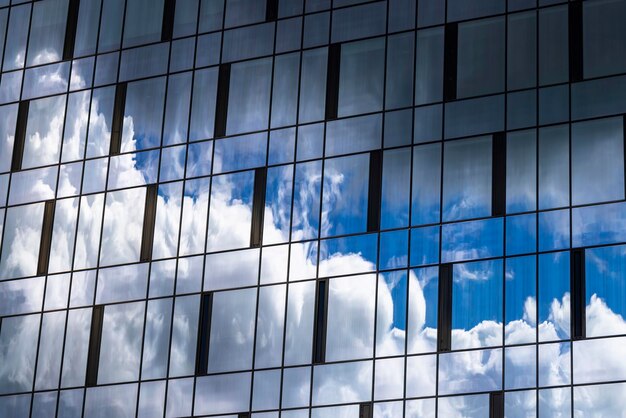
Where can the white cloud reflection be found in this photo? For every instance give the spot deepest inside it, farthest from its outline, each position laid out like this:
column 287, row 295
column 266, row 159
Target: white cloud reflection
column 353, row 299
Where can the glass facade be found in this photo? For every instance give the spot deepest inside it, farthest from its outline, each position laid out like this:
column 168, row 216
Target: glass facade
column 312, row 208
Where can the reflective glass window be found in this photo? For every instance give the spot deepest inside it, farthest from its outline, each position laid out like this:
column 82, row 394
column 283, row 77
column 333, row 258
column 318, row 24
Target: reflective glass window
column 597, row 161
column 249, row 96
column 480, row 61
column 362, row 64
column 467, row 179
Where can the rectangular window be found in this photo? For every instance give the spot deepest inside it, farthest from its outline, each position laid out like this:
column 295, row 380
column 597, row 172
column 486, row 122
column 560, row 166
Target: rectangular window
column 431, row 72
column 120, row 346
column 248, row 96
column 480, row 62
column 20, row 249
column 467, row 179
column 365, row 410
column 553, row 45
column 362, row 64
column 553, row 166
column 167, row 27
column 258, row 207
column 344, row 196
column 577, row 309
column 204, row 333
column 271, row 10
column 123, row 221
column 450, row 61
column 496, row 405
column 221, row 106
column 70, row 29
column 521, row 171
column 95, row 337
column 349, row 322
column 149, row 218
column 375, row 188
column 231, row 344
column 321, row 315
column 604, row 36
column 597, row 161
column 605, row 290
column 444, row 315
column 46, row 238
column 20, row 136
column 118, row 118
column 332, row 81
column 47, row 28
column 575, row 16
column 476, row 301
column 498, row 174
column 522, row 50
column 143, row 21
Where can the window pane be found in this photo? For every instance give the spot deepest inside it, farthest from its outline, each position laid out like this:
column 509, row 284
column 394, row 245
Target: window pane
column 47, row 32
column 429, row 66
column 232, row 330
column 467, row 179
column 606, row 291
column 426, row 184
column 521, row 171
column 477, row 304
column 18, row 348
column 43, row 132
column 597, row 161
column 249, row 96
column 144, row 19
column 143, row 115
column 351, row 307
column 553, row 167
column 20, row 249
column 230, row 214
column 553, row 45
column 120, row 349
column 123, row 223
column 345, row 195
column 522, row 50
column 471, row 371
column 521, row 300
column 604, row 37
column 554, row 296
column 362, row 64
column 480, row 64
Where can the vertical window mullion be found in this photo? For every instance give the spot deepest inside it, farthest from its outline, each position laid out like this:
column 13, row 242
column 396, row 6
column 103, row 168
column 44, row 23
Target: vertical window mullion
column 578, row 293
column 149, row 219
column 118, row 118
column 204, row 334
column 95, row 339
column 496, row 405
column 258, row 207
column 332, row 81
column 451, row 41
column 444, row 317
column 46, row 238
column 374, row 193
column 20, row 136
column 498, row 175
column 575, row 40
column 70, row 29
column 321, row 317
column 221, row 106
column 167, row 27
